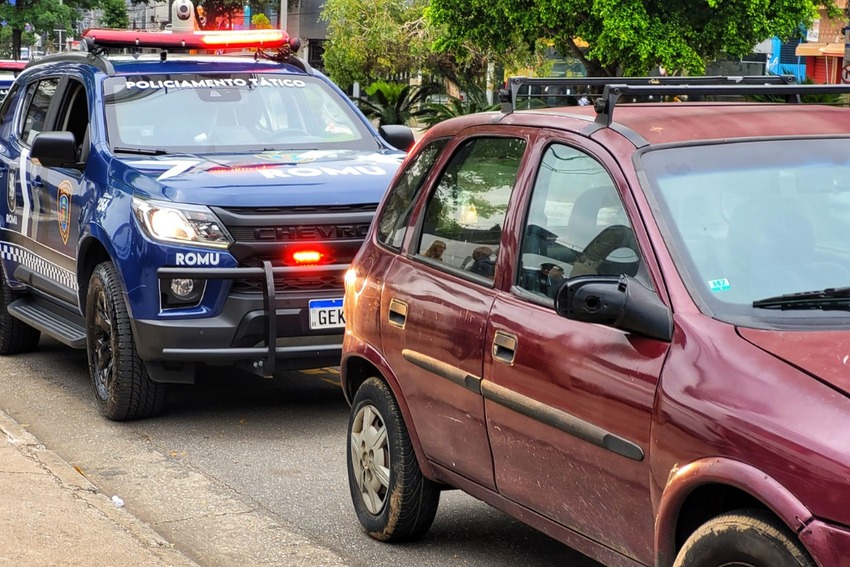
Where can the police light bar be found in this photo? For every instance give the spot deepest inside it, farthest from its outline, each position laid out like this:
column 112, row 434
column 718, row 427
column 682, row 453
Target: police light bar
column 12, row 65
column 269, row 39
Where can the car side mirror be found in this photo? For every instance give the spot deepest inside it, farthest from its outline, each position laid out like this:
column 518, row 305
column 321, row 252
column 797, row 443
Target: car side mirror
column 55, row 149
column 397, row 136
column 616, row 301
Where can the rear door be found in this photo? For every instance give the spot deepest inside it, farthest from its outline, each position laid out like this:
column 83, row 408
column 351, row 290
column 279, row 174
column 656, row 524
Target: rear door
column 568, row 403
column 46, row 200
column 434, row 306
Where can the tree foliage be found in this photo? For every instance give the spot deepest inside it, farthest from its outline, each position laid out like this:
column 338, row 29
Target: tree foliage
column 374, row 39
column 623, row 37
column 41, row 16
column 115, row 14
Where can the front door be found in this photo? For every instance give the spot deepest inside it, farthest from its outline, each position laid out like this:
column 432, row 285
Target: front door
column 569, row 404
column 437, row 298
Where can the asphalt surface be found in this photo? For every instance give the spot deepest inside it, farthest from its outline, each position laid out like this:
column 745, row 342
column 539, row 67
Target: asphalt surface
column 246, row 471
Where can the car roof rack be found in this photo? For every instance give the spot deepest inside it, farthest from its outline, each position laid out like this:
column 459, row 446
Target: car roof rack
column 614, row 88
column 509, row 95
column 605, row 104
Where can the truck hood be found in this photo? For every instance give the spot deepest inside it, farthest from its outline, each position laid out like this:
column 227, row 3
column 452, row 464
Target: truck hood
column 824, row 354
column 291, row 178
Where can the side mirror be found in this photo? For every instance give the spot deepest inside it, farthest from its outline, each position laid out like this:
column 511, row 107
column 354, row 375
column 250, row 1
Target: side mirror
column 55, row 149
column 616, row 301
column 397, row 136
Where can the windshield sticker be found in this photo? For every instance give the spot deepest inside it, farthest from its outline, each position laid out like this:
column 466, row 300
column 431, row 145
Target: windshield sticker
column 217, row 83
column 719, row 285
column 63, row 209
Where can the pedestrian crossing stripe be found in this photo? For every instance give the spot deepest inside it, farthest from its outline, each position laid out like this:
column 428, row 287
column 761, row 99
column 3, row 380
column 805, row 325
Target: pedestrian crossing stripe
column 38, row 265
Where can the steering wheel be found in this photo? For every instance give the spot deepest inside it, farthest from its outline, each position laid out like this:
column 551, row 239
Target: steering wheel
column 603, row 244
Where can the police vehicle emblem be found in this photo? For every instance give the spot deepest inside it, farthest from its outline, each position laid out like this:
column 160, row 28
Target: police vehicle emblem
column 11, row 198
column 63, row 209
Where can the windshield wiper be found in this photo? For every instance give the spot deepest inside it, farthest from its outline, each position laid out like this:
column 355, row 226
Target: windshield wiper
column 140, row 151
column 831, row 298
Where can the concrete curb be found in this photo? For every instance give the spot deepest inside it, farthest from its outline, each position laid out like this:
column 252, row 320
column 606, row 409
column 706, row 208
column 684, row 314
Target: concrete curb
column 71, row 481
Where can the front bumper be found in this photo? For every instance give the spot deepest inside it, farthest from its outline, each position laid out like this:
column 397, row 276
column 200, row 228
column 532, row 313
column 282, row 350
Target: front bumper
column 243, row 332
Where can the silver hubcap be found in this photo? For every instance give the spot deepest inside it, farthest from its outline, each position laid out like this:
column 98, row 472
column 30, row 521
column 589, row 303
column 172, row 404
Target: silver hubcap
column 370, row 458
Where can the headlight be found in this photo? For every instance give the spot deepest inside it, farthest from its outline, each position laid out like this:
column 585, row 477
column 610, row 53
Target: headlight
column 170, row 222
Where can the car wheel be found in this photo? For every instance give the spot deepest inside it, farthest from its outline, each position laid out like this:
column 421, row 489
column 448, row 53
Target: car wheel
column 121, row 382
column 393, row 501
column 744, row 538
column 15, row 335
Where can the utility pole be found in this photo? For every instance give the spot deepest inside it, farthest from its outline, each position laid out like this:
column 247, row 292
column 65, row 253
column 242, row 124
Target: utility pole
column 284, row 10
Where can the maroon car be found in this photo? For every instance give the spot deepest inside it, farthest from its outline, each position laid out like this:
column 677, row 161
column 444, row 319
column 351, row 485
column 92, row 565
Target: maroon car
column 627, row 325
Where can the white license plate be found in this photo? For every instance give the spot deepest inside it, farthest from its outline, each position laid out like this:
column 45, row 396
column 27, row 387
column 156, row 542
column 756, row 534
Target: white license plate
column 326, row 314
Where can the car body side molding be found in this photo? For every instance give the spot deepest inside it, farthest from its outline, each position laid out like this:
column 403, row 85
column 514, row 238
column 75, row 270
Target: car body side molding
column 562, row 421
column 451, row 373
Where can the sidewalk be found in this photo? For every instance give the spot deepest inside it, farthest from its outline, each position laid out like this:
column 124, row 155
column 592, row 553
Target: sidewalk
column 50, row 515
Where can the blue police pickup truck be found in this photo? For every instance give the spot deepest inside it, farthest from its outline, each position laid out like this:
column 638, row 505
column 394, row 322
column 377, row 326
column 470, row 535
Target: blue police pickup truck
column 176, row 209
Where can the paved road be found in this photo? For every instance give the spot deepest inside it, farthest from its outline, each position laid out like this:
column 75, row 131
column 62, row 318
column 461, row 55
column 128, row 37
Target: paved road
column 242, row 470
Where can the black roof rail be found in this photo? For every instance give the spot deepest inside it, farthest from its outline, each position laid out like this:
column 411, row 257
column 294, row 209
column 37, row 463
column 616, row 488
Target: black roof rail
column 508, row 96
column 76, row 57
column 605, row 104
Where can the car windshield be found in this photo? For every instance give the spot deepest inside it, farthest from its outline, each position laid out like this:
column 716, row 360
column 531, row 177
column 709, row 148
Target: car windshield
column 751, row 221
column 217, row 113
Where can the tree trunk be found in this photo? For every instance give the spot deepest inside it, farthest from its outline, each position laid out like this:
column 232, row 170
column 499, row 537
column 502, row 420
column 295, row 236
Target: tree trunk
column 16, row 44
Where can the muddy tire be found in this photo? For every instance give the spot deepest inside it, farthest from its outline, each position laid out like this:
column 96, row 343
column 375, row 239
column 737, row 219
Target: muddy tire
column 122, row 386
column 15, row 336
column 392, row 499
column 744, row 538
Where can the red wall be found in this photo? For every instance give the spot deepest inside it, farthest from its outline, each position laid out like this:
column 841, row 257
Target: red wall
column 824, row 69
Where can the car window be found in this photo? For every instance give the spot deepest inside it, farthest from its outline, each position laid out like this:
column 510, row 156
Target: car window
column 392, row 220
column 576, row 224
column 5, row 112
column 38, row 98
column 752, row 220
column 463, row 219
column 74, row 116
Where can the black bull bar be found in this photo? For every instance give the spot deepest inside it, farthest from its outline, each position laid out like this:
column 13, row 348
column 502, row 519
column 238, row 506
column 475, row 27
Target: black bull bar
column 266, row 355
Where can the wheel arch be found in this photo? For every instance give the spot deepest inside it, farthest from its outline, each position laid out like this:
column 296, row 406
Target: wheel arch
column 706, row 488
column 90, row 253
column 357, row 367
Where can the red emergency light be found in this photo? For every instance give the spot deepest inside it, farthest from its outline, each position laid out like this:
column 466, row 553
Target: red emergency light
column 217, row 39
column 12, row 65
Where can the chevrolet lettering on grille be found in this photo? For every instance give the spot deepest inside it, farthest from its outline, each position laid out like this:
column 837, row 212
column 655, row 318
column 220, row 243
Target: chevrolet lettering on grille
column 311, row 232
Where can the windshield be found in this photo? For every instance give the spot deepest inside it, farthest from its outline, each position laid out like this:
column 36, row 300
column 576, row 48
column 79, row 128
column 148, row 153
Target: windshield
column 754, row 220
column 229, row 113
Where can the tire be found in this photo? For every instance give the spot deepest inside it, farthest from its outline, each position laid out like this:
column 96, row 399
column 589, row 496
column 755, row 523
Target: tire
column 744, row 538
column 398, row 504
column 15, row 336
column 122, row 386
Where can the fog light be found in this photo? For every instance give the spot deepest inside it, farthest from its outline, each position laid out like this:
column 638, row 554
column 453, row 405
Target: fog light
column 182, row 288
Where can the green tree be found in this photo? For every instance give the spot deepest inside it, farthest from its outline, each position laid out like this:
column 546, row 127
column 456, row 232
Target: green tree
column 374, row 39
column 260, row 22
column 624, row 37
column 41, row 16
column 115, row 14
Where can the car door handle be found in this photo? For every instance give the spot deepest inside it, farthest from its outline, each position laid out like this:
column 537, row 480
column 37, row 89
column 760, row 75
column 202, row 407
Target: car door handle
column 504, row 347
column 397, row 315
